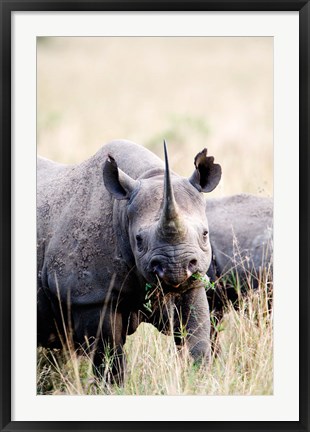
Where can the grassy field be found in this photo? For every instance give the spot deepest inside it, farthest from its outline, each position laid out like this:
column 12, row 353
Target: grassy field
column 194, row 92
column 241, row 364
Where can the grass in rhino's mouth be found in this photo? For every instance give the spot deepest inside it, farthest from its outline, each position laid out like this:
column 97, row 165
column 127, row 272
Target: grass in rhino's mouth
column 204, row 279
column 155, row 293
column 152, row 291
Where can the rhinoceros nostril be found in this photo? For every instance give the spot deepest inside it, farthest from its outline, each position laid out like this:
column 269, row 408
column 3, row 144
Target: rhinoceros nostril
column 158, row 268
column 192, row 266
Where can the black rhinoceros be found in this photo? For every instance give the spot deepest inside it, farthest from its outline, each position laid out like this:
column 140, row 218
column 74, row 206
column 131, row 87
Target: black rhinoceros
column 241, row 237
column 122, row 240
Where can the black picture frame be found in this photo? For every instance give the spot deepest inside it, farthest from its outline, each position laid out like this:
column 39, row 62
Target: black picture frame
column 6, row 9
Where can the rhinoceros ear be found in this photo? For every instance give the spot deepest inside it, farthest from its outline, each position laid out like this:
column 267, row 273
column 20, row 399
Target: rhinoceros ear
column 207, row 174
column 119, row 184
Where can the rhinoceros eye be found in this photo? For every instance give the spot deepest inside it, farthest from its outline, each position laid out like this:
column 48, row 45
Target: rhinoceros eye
column 205, row 234
column 139, row 241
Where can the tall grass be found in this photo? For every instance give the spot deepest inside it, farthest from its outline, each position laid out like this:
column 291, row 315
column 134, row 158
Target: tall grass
column 241, row 364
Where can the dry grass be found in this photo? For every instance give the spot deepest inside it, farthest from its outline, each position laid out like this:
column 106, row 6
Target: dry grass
column 242, row 363
column 195, row 92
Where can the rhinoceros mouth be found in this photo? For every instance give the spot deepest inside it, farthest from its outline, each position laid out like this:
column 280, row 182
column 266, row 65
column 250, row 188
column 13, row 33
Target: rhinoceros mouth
column 175, row 283
column 173, row 274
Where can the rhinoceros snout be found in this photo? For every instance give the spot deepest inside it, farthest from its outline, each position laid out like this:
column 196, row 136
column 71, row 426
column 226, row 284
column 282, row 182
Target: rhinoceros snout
column 174, row 275
column 158, row 269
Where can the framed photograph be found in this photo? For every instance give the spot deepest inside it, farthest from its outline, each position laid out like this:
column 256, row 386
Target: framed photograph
column 115, row 119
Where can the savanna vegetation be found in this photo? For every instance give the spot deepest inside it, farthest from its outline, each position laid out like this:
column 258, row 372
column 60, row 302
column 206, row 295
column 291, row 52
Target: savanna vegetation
column 196, row 93
column 241, row 364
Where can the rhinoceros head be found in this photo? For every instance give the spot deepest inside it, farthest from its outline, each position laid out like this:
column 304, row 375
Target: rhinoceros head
column 166, row 221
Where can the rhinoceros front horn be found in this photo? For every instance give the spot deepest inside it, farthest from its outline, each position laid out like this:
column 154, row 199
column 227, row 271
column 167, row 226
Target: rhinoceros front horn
column 170, row 222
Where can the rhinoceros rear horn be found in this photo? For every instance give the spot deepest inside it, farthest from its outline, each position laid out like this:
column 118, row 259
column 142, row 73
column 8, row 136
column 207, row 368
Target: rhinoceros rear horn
column 170, row 221
column 207, row 174
column 119, row 184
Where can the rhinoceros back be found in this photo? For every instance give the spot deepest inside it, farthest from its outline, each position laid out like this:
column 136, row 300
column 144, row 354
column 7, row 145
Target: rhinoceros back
column 241, row 232
column 76, row 241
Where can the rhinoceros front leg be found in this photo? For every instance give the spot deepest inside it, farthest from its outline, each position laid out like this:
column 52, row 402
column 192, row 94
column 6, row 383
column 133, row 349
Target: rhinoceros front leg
column 103, row 330
column 192, row 323
column 109, row 359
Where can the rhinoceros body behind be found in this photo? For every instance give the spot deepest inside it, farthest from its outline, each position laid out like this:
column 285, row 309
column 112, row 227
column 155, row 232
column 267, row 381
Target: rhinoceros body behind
column 100, row 247
column 241, row 231
column 241, row 236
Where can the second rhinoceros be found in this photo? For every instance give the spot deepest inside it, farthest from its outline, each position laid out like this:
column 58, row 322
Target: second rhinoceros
column 241, row 237
column 121, row 240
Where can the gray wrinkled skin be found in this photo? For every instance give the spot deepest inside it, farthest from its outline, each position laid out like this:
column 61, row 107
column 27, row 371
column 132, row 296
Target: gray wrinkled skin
column 102, row 237
column 241, row 235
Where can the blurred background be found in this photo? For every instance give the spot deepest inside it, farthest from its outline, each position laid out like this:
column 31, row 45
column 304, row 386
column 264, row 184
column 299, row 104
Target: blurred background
column 195, row 92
